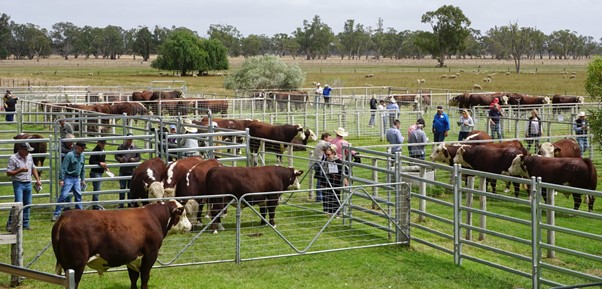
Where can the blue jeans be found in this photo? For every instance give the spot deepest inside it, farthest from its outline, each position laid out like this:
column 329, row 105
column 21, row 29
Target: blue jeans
column 583, row 145
column 495, row 129
column 10, row 117
column 95, row 185
column 22, row 193
column 124, row 184
column 71, row 184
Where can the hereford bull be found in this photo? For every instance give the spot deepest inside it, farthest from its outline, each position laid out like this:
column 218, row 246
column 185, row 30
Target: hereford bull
column 564, row 148
column 107, row 238
column 280, row 133
column 215, row 105
column 145, row 95
column 194, row 184
column 147, row 180
column 238, row 181
column 489, row 159
column 300, row 144
column 174, row 172
column 477, row 135
column 523, row 99
column 574, row 172
column 166, row 95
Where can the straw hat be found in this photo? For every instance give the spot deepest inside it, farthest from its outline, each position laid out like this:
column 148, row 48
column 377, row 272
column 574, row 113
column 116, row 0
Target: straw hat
column 189, row 128
column 341, row 131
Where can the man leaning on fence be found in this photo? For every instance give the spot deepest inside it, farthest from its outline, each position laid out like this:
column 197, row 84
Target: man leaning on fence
column 20, row 169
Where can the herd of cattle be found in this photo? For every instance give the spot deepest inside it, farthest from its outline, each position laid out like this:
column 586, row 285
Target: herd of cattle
column 557, row 163
column 468, row 100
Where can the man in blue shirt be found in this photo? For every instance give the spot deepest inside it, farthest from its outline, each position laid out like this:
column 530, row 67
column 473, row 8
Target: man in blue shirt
column 440, row 125
column 326, row 94
column 71, row 177
column 394, row 137
column 393, row 110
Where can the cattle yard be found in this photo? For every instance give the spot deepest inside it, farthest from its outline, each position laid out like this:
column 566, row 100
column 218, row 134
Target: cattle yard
column 379, row 209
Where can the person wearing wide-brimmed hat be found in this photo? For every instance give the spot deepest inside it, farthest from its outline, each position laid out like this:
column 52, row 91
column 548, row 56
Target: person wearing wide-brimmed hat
column 126, row 157
column 20, row 169
column 393, row 110
column 190, row 143
column 71, row 178
column 580, row 127
column 339, row 141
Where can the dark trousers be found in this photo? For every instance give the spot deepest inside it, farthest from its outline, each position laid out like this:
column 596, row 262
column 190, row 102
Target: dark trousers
column 439, row 136
column 124, row 184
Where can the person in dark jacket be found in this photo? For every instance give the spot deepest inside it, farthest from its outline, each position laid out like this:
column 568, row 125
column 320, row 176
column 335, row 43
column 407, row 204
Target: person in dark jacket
column 126, row 157
column 373, row 108
column 96, row 172
column 10, row 104
column 440, row 125
column 332, row 168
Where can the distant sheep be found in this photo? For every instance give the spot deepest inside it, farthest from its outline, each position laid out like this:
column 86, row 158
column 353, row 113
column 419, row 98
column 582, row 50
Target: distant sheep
column 476, row 86
column 452, row 76
column 487, row 79
column 461, row 70
column 443, row 76
column 507, row 73
column 369, row 75
column 422, row 80
column 573, row 76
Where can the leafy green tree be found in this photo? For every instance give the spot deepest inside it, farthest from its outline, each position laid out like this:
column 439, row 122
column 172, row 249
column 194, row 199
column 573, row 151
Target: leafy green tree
column 112, row 45
column 378, row 39
column 251, row 45
column 217, row 56
column 283, row 44
column 517, row 40
column 593, row 86
column 5, row 36
column 450, row 29
column 265, row 72
column 228, row 35
column 314, row 38
column 64, row 35
column 144, row 43
column 181, row 52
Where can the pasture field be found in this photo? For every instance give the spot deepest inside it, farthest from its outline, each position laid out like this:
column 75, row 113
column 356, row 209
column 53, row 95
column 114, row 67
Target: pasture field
column 385, row 267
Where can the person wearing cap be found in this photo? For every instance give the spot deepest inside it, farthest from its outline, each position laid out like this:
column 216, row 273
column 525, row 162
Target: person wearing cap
column 71, row 178
column 394, row 137
column 190, row 142
column 66, row 145
column 466, row 124
column 580, row 127
column 417, row 138
column 20, row 169
column 125, row 157
column 393, row 110
column 326, row 94
column 10, row 104
column 65, row 128
column 339, row 141
column 440, row 125
column 495, row 116
column 99, row 161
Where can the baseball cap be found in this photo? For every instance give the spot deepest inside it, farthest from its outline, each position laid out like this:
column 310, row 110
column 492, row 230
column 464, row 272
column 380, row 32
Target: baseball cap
column 439, row 107
column 172, row 126
column 81, row 144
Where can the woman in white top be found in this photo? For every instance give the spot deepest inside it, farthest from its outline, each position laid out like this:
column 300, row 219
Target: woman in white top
column 533, row 131
column 466, row 124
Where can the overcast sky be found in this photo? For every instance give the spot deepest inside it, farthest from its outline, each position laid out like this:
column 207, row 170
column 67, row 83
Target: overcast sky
column 284, row 16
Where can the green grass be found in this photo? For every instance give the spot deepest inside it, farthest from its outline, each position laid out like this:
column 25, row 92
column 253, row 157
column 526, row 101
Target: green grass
column 383, row 267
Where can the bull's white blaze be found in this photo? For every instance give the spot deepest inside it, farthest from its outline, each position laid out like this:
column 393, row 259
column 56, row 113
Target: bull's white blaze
column 437, row 154
column 459, row 158
column 546, row 149
column 183, row 225
column 312, row 135
column 505, row 99
column 301, row 133
column 150, row 174
column 155, row 190
column 516, row 168
column 295, row 185
column 547, row 100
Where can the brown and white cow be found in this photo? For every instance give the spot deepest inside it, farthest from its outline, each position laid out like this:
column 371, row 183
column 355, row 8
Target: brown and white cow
column 299, row 144
column 174, row 172
column 147, row 180
column 238, row 181
column 477, row 135
column 193, row 184
column 574, row 172
column 489, row 159
column 281, row 133
column 110, row 238
column 564, row 148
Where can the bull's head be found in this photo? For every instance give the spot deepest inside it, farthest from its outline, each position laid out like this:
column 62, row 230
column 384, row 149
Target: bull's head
column 300, row 132
column 459, row 158
column 440, row 154
column 517, row 168
column 294, row 181
column 178, row 222
column 546, row 149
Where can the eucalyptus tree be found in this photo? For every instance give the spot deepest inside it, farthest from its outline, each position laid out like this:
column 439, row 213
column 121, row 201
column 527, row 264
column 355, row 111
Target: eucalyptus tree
column 315, row 38
column 228, row 35
column 144, row 43
column 450, row 29
column 593, row 86
column 113, row 44
column 64, row 36
column 29, row 41
column 283, row 44
column 5, row 36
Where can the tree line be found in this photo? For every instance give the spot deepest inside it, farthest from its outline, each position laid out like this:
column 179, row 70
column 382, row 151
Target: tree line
column 452, row 36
